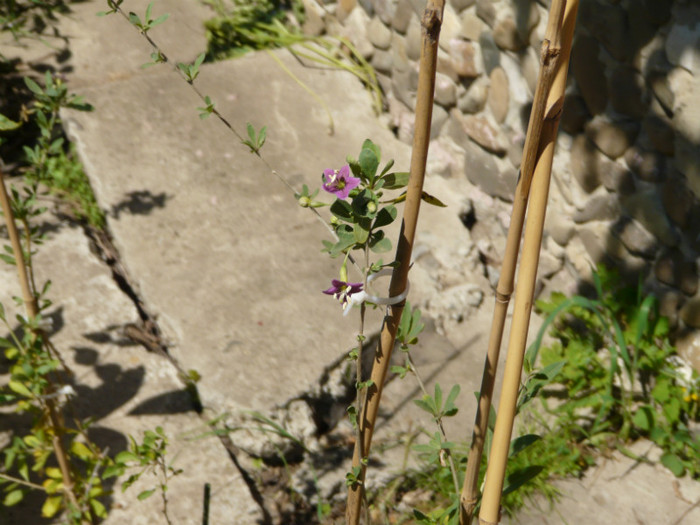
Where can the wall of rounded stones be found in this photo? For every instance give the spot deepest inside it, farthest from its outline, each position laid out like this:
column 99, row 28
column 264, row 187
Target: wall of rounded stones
column 626, row 178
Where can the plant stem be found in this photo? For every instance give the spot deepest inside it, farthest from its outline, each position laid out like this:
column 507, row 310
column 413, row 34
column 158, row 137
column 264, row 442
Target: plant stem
column 438, row 421
column 19, row 481
column 431, row 23
column 556, row 48
column 504, row 289
column 30, row 304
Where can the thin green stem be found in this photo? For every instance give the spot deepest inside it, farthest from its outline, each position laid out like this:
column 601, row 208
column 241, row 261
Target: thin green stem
column 438, row 421
column 19, row 481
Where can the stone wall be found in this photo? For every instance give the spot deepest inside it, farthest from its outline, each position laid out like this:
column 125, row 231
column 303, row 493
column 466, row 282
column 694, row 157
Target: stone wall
column 627, row 169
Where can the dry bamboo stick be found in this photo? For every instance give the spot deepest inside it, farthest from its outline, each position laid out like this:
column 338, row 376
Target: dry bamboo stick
column 431, row 23
column 560, row 48
column 504, row 289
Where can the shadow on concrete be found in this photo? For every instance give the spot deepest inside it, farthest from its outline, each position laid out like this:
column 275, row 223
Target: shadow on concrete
column 141, row 202
column 117, row 387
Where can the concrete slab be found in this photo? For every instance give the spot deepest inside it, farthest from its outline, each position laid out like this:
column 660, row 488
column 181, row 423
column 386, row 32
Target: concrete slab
column 124, row 388
column 623, row 491
column 107, row 48
column 216, row 243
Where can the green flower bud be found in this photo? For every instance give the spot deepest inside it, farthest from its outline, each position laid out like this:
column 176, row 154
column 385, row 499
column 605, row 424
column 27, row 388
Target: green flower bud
column 371, row 206
column 334, row 220
column 304, row 202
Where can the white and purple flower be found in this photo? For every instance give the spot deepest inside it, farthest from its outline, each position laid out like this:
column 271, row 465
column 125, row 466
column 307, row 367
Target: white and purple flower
column 347, row 293
column 339, row 182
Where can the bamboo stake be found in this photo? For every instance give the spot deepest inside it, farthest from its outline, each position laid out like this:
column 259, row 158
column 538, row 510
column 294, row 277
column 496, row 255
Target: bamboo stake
column 558, row 49
column 504, row 289
column 31, row 307
column 431, row 23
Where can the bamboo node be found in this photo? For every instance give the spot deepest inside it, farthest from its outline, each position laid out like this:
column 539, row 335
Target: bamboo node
column 431, row 21
column 502, row 297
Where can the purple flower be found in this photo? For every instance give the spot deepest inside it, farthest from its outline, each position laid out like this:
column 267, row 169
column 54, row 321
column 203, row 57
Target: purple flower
column 339, row 182
column 344, row 291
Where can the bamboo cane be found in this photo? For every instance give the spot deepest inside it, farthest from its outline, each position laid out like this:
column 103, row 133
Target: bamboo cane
column 31, row 307
column 431, row 23
column 504, row 289
column 558, row 49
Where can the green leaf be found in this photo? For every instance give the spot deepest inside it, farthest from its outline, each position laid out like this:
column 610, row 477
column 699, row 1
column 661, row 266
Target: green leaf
column 159, row 20
column 395, row 181
column 145, row 494
column 430, row 199
column 6, row 124
column 369, row 163
column 388, row 166
column 13, row 497
column 98, row 508
column 673, row 463
column 51, row 506
column 343, row 210
column 33, row 86
column 81, row 450
column 385, row 216
column 644, row 418
column 20, row 388
column 521, row 476
column 521, row 443
column 361, row 232
column 380, row 244
column 125, row 456
column 450, row 408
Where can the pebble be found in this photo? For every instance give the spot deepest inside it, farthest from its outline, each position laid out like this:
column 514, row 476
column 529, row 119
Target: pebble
column 356, row 25
column 589, row 70
column 574, row 115
column 677, row 199
column 402, row 16
column 645, row 207
column 486, row 11
column 413, row 39
column 482, row 171
column 676, row 271
column 635, row 238
column 608, row 24
column 628, row 94
column 451, row 27
column 461, row 5
column 683, row 47
column 498, row 97
column 657, row 12
column 661, row 88
column 382, row 61
column 445, row 91
column 440, row 116
column 690, row 313
column 464, row 57
column 379, row 34
column 600, row 207
column 612, row 138
column 507, row 36
column 661, row 134
column 345, row 7
column 480, row 130
column 489, row 51
column 474, row 99
column 649, row 166
column 472, row 26
column 584, row 163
